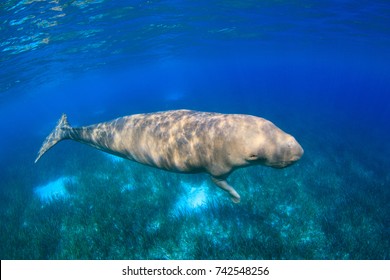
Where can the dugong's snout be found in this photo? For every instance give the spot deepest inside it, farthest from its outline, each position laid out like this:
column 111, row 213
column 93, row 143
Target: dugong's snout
column 288, row 153
column 293, row 151
column 296, row 151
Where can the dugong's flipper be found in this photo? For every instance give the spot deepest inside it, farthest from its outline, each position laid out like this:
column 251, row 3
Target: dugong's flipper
column 59, row 133
column 235, row 197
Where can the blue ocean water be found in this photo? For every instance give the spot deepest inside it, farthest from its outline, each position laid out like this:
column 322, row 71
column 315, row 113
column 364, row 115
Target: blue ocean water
column 318, row 69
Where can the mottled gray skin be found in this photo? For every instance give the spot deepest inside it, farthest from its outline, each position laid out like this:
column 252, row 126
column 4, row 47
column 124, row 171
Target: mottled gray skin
column 188, row 141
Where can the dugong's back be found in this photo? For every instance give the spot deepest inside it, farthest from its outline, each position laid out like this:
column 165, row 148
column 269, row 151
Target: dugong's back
column 182, row 140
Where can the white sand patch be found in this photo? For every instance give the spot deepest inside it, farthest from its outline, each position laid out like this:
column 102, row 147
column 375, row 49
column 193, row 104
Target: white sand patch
column 54, row 190
column 194, row 198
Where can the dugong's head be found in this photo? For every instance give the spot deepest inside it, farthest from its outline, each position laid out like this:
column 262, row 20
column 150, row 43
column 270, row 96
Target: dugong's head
column 269, row 145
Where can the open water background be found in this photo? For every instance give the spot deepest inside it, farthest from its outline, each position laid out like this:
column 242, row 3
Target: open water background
column 318, row 69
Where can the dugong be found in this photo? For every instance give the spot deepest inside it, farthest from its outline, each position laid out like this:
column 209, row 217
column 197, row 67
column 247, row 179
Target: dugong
column 187, row 141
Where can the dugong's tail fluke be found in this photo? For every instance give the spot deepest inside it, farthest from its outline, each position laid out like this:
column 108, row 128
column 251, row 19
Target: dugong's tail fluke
column 59, row 133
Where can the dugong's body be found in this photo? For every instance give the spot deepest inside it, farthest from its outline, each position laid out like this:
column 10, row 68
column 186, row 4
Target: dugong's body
column 187, row 141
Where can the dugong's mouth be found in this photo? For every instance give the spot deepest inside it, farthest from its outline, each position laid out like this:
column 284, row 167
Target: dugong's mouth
column 282, row 164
